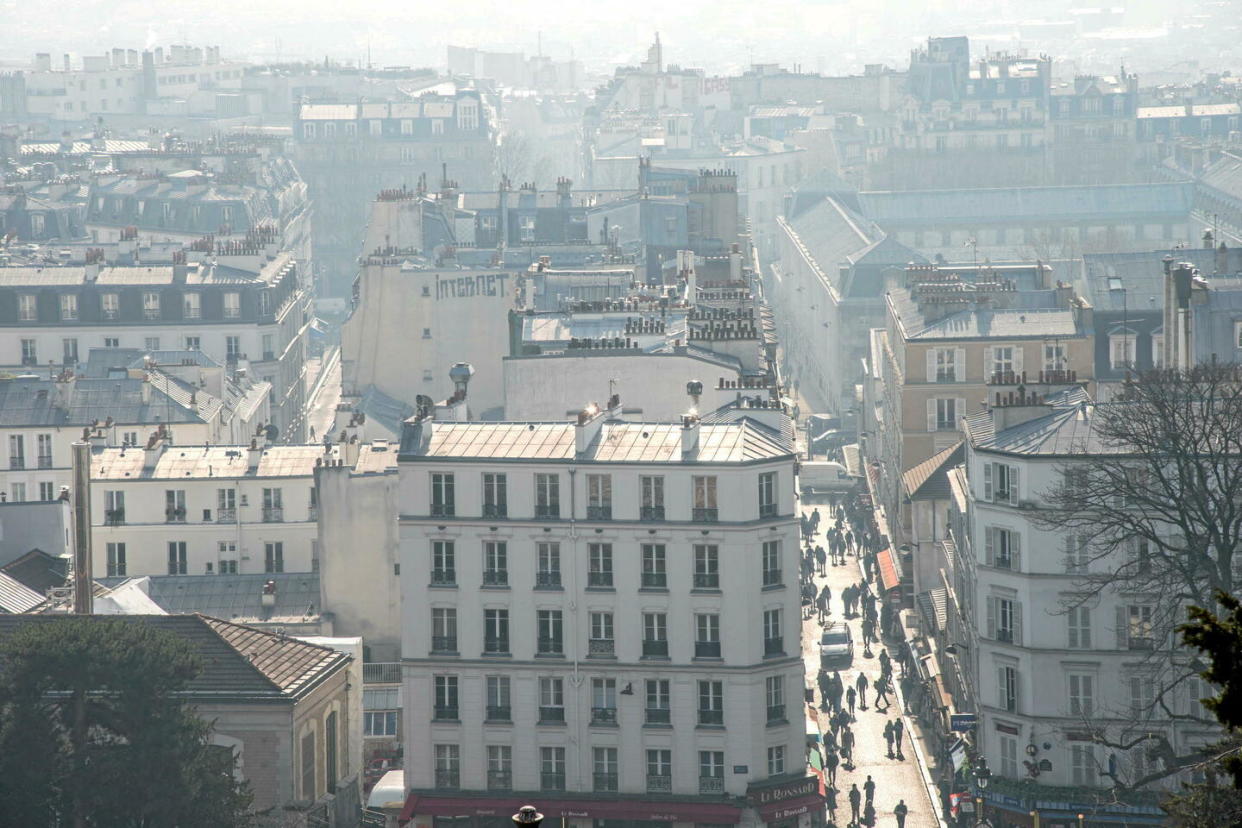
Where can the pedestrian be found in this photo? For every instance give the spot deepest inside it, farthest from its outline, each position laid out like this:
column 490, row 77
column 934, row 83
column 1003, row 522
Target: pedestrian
column 831, row 796
column 847, row 748
column 900, row 812
column 861, row 684
column 855, row 802
column 886, row 664
column 869, row 814
column 888, row 737
column 868, row 632
column 850, row 697
column 869, row 789
column 899, row 728
column 815, row 520
column 830, row 765
column 826, row 594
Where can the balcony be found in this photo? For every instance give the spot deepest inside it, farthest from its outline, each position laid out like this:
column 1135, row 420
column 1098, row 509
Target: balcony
column 704, row 515
column 312, row 513
column 551, row 715
column 767, row 510
column 711, row 785
column 772, row 577
column 499, row 780
column 273, row 514
column 496, row 577
column 655, row 580
column 659, row 715
column 776, row 713
column 550, row 781
column 707, row 649
column 151, row 313
column 381, row 672
column 496, row 646
column 605, row 782
column 495, row 510
column 442, row 510
column 447, row 779
column 655, row 649
column 599, row 579
column 444, row 577
column 707, row 580
column 551, row 646
column 547, row 580
column 599, row 513
column 1141, row 642
column 548, row 511
column 499, row 713
column 773, row 646
column 651, row 513
column 712, row 718
column 659, row 783
column 446, row 713
column 226, row 516
column 1004, row 635
column 45, row 461
column 601, row 647
column 17, row 463
column 114, row 517
column 603, row 715
column 444, row 644
column 174, row 515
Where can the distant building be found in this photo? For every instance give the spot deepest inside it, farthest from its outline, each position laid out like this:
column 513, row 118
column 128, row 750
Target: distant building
column 1189, row 120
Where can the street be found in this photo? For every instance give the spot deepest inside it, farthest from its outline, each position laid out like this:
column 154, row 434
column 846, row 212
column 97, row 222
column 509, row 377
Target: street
column 894, row 779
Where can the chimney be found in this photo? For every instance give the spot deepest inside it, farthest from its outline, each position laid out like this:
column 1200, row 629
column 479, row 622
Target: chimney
column 735, row 263
column 590, row 420
column 268, row 598
column 254, row 454
column 1222, row 259
column 564, row 198
column 83, row 582
column 1015, row 408
column 155, row 447
column 1208, row 242
column 689, row 434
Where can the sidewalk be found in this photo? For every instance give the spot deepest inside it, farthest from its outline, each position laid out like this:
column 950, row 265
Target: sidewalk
column 895, row 779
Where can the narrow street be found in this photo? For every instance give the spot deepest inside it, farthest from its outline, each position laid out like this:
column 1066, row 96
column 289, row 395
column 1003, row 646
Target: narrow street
column 895, row 779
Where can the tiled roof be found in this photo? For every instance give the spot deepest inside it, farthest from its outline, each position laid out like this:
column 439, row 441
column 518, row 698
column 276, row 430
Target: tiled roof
column 929, row 480
column 1032, row 318
column 1067, row 429
column 180, row 462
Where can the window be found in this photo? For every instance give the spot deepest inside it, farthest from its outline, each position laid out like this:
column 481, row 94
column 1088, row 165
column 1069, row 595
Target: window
column 448, row 766
column 1136, row 630
column 600, row 572
column 1081, row 694
column 707, row 635
column 495, row 496
column 150, row 305
column 68, row 307
column 655, row 635
column 308, row 766
column 1157, row 350
column 379, row 722
column 192, row 303
column 767, row 495
column 496, row 631
column 30, row 352
column 943, row 413
column 443, row 563
column 193, row 343
column 552, row 768
column 47, row 490
column 1004, row 619
column 1195, row 692
column 116, row 559
column 19, row 493
column 1142, row 696
column 1002, row 364
column 711, row 703
column 775, row 695
column 1009, row 756
column 1007, row 687
column 232, row 305
column 603, row 701
column 1078, row 620
column 1082, row 764
column 547, row 496
column 655, row 575
column 499, row 768
column 407, row 127
column 445, row 697
column 1077, row 554
column 114, row 506
column 44, row 445
column 659, row 708
column 776, row 760
column 28, row 307
column 943, row 364
column 1121, row 350
column 442, row 496
column 605, row 762
column 274, row 556
column 226, row 557
column 151, row 343
column 176, row 557
column 652, row 493
column 232, row 349
column 498, row 699
column 17, row 451
column 548, row 573
column 599, row 496
column 551, row 632
column 273, row 505
column 706, row 566
column 704, row 498
column 771, row 561
column 551, row 699
column 1002, row 548
column 376, row 127
column 526, row 228
column 174, row 505
column 495, row 563
column 1000, row 483
column 329, row 752
column 1055, row 358
column 659, row 770
column 443, row 630
column 773, row 643
column 602, row 642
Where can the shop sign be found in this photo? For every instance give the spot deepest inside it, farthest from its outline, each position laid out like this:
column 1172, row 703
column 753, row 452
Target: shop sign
column 786, row 790
column 962, row 722
column 741, row 768
column 785, row 813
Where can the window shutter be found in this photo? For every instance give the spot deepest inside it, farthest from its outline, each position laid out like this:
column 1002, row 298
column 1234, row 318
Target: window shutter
column 959, row 364
column 987, row 482
column 991, row 616
column 1069, row 553
column 989, row 545
column 1123, row 628
column 931, row 415
column 989, row 364
column 1015, row 551
column 1017, row 360
column 1017, row 623
column 1013, row 484
column 1071, row 628
column 959, row 411
column 931, row 364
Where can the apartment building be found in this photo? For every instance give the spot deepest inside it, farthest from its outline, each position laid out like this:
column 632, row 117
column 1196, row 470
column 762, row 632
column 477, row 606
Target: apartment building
column 603, row 614
column 197, row 509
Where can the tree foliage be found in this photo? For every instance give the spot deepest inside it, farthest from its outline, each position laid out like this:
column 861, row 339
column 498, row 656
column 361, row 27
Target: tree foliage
column 92, row 731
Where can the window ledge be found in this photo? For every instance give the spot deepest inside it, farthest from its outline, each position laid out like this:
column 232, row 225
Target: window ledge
column 706, row 591
column 654, row 590
column 773, row 587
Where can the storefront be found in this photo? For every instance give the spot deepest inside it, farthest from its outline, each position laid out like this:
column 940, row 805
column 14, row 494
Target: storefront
column 426, row 810
column 797, row 803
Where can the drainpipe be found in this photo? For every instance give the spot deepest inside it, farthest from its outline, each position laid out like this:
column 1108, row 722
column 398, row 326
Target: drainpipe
column 576, row 679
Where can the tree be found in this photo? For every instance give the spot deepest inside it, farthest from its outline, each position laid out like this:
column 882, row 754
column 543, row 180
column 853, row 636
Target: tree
column 513, row 158
column 94, row 733
column 1153, row 509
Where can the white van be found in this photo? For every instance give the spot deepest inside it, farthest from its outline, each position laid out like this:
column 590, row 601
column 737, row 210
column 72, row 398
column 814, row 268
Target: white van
column 818, row 476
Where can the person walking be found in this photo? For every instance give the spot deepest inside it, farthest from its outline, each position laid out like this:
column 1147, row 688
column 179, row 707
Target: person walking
column 850, row 697
column 868, row 818
column 830, row 765
column 888, row 737
column 847, row 747
column 831, row 796
column 855, row 802
column 881, row 693
column 814, row 520
column 900, row 812
column 821, row 558
column 899, row 728
column 861, row 684
column 886, row 664
column 869, row 789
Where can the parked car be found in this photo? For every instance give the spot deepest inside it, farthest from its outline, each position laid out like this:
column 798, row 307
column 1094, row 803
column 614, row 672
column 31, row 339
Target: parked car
column 823, row 476
column 836, row 644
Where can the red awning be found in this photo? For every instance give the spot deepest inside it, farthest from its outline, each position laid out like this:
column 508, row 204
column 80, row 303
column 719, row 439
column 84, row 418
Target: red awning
column 890, row 575
column 433, row 805
column 792, row 807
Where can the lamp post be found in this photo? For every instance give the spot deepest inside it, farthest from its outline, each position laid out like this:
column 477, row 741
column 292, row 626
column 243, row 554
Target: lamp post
column 527, row 817
column 983, row 775
column 1035, row 819
column 1082, row 820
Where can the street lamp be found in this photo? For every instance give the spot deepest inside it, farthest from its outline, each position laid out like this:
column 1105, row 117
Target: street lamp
column 982, row 775
column 1082, row 820
column 527, row 817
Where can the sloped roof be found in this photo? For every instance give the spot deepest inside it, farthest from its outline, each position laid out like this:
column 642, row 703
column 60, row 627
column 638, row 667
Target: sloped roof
column 180, row 462
column 16, row 597
column 38, row 570
column 1067, row 429
column 1225, row 174
column 929, row 480
column 236, row 597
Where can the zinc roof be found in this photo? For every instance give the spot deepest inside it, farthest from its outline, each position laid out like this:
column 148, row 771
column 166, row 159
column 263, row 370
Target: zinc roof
column 181, row 462
column 16, row 597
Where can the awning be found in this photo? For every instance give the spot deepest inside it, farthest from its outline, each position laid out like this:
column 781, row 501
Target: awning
column 890, row 575
column 792, row 807
column 434, row 805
